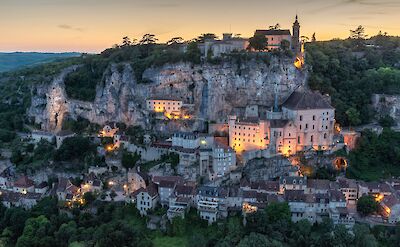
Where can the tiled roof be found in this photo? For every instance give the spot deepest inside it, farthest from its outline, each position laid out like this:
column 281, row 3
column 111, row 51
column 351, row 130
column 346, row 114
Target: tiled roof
column 273, row 32
column 166, row 184
column 306, row 100
column 320, row 184
column 24, row 182
column 390, row 201
column 185, row 190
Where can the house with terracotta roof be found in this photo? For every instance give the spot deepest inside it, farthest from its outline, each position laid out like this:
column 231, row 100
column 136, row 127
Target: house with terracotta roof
column 391, row 208
column 17, row 199
column 66, row 191
column 24, row 185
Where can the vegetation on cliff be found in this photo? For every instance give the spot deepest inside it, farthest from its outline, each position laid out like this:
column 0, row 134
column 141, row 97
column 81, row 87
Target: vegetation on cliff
column 351, row 70
column 377, row 156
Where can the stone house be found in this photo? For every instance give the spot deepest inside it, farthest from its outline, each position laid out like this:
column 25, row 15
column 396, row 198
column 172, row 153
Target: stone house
column 146, row 199
column 292, row 183
column 24, row 185
column 211, row 203
column 66, row 191
column 391, row 208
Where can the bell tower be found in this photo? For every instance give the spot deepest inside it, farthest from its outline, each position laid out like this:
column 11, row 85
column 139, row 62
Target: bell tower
column 296, row 36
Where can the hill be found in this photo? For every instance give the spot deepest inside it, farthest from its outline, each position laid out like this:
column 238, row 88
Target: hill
column 17, row 60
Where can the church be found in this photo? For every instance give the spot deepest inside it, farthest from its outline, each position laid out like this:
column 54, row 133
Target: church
column 275, row 36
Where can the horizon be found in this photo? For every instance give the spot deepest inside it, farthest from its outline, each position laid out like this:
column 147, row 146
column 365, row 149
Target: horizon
column 90, row 26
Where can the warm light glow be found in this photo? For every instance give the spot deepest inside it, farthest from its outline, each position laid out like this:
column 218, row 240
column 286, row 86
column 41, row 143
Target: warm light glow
column 299, row 63
column 379, row 198
column 110, row 183
column 247, row 208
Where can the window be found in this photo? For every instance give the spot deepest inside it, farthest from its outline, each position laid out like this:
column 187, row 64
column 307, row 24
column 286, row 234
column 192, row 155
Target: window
column 313, row 127
column 300, row 126
column 298, row 139
column 312, row 138
column 306, row 126
column 301, row 118
column 289, row 136
column 325, row 136
column 313, row 117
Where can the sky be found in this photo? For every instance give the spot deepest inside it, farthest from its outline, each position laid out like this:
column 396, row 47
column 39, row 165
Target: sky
column 94, row 25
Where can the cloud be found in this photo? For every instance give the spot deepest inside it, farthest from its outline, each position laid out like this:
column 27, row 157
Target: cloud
column 68, row 27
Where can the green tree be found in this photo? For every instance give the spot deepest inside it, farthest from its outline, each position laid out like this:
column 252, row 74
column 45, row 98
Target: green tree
column 353, row 116
column 148, row 39
column 206, row 36
column 89, row 197
column 285, row 45
column 129, row 160
column 254, row 240
column 258, row 42
column 36, row 233
column 367, row 205
column 193, row 53
column 277, row 211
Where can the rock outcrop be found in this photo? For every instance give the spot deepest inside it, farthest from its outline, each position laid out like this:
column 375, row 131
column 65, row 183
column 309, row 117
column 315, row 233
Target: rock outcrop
column 213, row 90
column 387, row 105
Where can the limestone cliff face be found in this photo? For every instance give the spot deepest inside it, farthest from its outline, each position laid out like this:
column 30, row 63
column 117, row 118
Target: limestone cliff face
column 387, row 105
column 214, row 90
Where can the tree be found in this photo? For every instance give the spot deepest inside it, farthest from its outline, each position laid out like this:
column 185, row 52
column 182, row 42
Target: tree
column 89, row 197
column 193, row 53
column 206, row 36
column 353, row 116
column 129, row 160
column 358, row 33
column 313, row 38
column 277, row 26
column 126, row 41
column 278, row 211
column 254, row 240
column 258, row 42
column 285, row 45
column 175, row 41
column 36, row 233
column 66, row 233
column 387, row 121
column 197, row 240
column 367, row 205
column 148, row 39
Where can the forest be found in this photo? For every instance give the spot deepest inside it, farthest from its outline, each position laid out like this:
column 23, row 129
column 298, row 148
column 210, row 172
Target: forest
column 120, row 225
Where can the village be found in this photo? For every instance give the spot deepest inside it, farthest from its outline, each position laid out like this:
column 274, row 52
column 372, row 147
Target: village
column 207, row 170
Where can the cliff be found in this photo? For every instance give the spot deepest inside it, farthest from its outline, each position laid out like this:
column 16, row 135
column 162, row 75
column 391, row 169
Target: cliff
column 214, row 90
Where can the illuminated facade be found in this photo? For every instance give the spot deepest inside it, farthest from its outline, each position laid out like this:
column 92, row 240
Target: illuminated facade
column 164, row 105
column 306, row 122
column 248, row 134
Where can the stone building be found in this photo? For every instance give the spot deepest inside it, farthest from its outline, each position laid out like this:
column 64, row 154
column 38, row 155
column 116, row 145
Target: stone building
column 248, row 134
column 276, row 36
column 306, row 122
column 228, row 44
column 168, row 106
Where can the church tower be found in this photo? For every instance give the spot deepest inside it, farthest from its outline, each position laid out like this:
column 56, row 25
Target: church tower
column 296, row 37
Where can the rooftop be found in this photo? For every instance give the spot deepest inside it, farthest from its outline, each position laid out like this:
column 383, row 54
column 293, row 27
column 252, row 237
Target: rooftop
column 306, row 100
column 273, row 32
